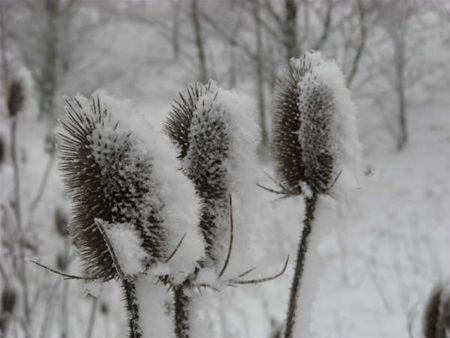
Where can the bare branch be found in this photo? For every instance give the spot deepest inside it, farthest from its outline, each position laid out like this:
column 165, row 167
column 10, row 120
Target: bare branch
column 326, row 26
column 362, row 43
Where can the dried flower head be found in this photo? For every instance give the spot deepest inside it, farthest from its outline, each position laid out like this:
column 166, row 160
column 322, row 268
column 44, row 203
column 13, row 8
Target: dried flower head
column 198, row 127
column 436, row 321
column 15, row 98
column 109, row 179
column 301, row 129
column 9, row 299
column 313, row 125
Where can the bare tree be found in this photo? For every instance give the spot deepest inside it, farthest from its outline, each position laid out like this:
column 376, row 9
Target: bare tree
column 199, row 43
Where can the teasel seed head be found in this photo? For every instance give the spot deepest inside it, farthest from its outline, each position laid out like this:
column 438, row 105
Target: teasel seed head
column 15, row 98
column 9, row 299
column 109, row 179
column 436, row 320
column 198, row 127
column 314, row 131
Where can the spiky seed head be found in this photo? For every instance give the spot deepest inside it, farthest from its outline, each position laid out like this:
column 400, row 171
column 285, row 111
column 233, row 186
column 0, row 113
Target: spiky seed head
column 15, row 98
column 301, row 146
column 9, row 299
column 436, row 320
column 198, row 127
column 108, row 178
column 179, row 120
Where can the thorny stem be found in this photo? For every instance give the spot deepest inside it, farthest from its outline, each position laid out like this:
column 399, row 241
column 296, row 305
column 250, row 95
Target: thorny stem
column 181, row 303
column 299, row 265
column 132, row 306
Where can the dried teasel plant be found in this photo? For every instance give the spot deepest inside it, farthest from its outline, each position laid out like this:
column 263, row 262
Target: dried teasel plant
column 436, row 319
column 125, row 212
column 15, row 98
column 314, row 140
column 203, row 126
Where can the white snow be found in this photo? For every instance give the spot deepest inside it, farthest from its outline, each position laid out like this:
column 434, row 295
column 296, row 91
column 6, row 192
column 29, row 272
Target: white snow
column 127, row 246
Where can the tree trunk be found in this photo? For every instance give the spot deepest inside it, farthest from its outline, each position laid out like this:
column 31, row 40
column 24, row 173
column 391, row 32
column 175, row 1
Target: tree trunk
column 290, row 29
column 48, row 80
column 203, row 74
column 259, row 74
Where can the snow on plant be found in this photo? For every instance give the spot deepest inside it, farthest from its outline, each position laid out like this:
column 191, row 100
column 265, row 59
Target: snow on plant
column 314, row 143
column 216, row 141
column 131, row 207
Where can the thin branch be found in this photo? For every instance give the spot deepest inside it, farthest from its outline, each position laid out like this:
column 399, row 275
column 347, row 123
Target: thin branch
column 230, row 245
column 362, row 43
column 245, row 273
column 176, row 249
column 326, row 29
column 279, row 192
column 65, row 275
column 261, row 280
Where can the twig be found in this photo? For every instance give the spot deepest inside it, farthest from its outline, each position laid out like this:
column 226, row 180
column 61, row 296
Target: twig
column 176, row 249
column 65, row 275
column 246, row 272
column 230, row 245
column 261, row 280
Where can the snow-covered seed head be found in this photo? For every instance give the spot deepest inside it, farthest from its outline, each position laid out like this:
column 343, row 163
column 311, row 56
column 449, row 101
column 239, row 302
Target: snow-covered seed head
column 436, row 320
column 199, row 128
column 314, row 128
column 301, row 129
column 15, row 98
column 108, row 178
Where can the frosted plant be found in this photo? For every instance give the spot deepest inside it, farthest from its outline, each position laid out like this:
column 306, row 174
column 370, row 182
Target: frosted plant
column 130, row 204
column 314, row 141
column 216, row 143
column 436, row 320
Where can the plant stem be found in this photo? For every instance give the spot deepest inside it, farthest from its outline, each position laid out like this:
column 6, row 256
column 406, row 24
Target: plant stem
column 22, row 271
column 132, row 306
column 181, row 303
column 300, row 263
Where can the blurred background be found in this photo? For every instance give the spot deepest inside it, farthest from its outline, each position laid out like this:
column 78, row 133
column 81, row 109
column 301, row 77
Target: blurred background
column 384, row 252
